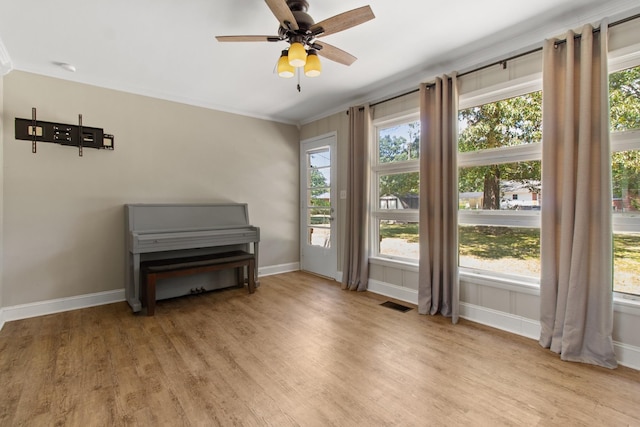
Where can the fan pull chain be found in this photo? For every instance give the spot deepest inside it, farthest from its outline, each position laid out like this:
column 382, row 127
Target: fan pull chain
column 298, row 73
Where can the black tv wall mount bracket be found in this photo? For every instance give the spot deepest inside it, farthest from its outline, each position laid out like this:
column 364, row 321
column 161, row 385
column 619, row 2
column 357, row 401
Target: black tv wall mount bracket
column 73, row 135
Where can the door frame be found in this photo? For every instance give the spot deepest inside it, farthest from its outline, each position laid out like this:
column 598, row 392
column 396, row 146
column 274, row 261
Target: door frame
column 332, row 139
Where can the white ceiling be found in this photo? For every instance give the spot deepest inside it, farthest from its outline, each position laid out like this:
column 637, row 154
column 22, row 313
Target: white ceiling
column 166, row 48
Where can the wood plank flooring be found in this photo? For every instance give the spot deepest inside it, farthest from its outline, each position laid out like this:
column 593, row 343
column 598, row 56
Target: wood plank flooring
column 300, row 351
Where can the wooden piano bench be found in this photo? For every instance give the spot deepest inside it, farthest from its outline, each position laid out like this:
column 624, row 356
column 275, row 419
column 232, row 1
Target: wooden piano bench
column 175, row 267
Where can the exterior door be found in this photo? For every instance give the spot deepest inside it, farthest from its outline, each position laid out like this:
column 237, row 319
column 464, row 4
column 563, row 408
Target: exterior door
column 317, row 210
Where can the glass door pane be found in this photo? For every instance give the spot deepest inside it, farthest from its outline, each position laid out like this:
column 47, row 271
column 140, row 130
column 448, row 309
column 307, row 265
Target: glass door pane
column 319, row 210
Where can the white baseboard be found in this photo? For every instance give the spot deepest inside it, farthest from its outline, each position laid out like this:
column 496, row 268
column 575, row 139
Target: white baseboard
column 500, row 320
column 496, row 319
column 42, row 308
column 277, row 269
column 627, row 355
column 393, row 291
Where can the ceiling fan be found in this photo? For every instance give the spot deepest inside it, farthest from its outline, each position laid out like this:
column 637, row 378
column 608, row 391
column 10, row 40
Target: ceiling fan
column 302, row 33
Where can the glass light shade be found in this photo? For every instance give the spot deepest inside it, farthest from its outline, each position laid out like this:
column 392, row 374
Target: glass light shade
column 297, row 55
column 313, row 67
column 284, row 69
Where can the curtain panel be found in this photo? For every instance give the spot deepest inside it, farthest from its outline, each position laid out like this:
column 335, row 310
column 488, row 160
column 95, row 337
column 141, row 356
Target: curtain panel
column 438, row 287
column 356, row 245
column 576, row 296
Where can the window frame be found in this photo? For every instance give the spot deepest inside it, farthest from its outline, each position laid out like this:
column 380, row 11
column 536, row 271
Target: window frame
column 501, row 155
column 620, row 141
column 624, row 141
column 378, row 169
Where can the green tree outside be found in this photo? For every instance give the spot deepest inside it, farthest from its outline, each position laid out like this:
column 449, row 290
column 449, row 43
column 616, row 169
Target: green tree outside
column 397, row 148
column 320, row 201
column 624, row 99
column 513, row 122
column 505, row 123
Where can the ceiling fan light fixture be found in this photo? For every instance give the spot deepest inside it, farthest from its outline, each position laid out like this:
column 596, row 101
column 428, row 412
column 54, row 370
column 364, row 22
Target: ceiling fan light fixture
column 300, row 31
column 284, row 69
column 297, row 55
column 313, row 67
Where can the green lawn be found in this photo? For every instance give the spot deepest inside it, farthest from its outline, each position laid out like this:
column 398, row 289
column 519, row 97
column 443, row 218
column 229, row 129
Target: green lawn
column 408, row 232
column 626, row 250
column 499, row 242
column 494, row 243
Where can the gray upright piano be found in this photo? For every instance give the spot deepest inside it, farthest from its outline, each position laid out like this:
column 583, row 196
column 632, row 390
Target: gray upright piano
column 165, row 231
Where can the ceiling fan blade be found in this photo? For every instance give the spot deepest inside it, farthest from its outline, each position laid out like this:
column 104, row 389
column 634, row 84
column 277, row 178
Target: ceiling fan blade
column 248, row 38
column 343, row 21
column 282, row 12
column 335, row 54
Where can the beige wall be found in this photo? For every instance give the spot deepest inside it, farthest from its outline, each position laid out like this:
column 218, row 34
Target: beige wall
column 338, row 123
column 63, row 215
column 2, row 122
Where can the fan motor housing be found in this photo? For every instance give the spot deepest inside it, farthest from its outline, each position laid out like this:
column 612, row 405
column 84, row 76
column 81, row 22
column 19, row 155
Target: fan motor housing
column 299, row 9
column 298, row 5
column 304, row 20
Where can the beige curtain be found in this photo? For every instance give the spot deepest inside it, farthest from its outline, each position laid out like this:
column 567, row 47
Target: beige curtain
column 576, row 313
column 355, row 263
column 438, row 269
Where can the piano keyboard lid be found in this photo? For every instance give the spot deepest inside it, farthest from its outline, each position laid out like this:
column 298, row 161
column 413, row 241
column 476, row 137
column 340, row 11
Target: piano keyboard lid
column 153, row 218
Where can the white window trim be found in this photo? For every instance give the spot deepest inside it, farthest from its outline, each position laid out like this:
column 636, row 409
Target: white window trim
column 619, row 60
column 620, row 141
column 498, row 92
column 625, row 140
column 511, row 154
column 518, row 153
column 397, row 167
column 378, row 169
column 392, row 262
column 624, row 58
column 530, row 219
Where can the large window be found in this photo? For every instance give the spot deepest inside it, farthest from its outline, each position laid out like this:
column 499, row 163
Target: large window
column 624, row 95
column 499, row 186
column 500, row 192
column 395, row 189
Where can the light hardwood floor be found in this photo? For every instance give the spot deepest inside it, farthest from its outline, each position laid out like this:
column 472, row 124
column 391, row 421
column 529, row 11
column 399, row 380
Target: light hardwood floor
column 300, row 351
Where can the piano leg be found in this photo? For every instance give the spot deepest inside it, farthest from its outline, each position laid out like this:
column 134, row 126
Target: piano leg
column 132, row 282
column 256, row 249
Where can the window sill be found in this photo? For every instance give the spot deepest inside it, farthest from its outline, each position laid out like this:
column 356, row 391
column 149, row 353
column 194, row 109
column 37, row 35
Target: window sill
column 510, row 284
column 627, row 305
column 395, row 263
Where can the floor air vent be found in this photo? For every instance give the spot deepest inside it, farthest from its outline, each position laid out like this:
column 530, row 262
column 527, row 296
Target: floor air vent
column 395, row 306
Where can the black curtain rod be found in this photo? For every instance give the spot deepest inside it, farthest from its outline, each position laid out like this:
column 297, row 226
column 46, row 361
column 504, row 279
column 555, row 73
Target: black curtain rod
column 504, row 61
column 597, row 30
column 395, row 97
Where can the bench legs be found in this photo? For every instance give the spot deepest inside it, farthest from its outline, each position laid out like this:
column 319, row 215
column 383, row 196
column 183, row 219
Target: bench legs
column 148, row 296
column 251, row 268
column 149, row 279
